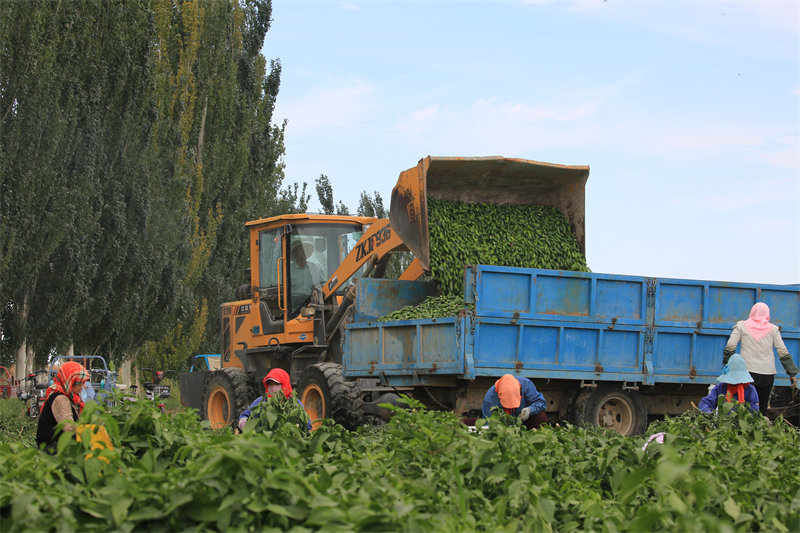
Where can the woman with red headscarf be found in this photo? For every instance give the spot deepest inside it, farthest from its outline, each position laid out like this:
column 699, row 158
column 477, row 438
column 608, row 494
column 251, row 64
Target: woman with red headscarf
column 758, row 337
column 275, row 382
column 63, row 402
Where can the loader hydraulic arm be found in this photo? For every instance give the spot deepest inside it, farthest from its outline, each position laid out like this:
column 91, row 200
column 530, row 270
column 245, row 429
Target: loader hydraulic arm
column 378, row 241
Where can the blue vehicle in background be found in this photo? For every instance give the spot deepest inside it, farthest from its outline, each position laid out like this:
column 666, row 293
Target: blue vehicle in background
column 211, row 361
column 604, row 349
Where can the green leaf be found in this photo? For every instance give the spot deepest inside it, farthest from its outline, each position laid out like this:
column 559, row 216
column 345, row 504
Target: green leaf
column 201, row 512
column 146, row 513
column 646, row 519
column 290, row 511
column 632, row 483
column 777, row 524
column 176, row 500
column 119, row 508
column 93, row 469
column 732, row 508
column 677, row 503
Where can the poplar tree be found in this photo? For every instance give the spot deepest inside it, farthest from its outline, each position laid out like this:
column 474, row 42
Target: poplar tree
column 137, row 139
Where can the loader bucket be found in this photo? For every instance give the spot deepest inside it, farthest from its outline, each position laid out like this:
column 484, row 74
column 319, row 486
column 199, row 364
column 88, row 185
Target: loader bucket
column 494, row 180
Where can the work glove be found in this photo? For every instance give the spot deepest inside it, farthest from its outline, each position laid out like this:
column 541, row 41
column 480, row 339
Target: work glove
column 242, row 422
column 525, row 413
column 726, row 354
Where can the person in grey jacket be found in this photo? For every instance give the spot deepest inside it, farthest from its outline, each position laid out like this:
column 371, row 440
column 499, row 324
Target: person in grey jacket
column 758, row 336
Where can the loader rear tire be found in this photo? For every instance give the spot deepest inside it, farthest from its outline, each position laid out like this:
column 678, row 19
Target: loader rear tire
column 326, row 394
column 613, row 408
column 227, row 394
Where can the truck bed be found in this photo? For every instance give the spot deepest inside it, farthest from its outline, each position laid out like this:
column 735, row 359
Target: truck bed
column 546, row 324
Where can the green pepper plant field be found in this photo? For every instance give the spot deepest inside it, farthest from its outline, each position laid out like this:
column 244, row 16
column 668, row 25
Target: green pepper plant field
column 422, row 471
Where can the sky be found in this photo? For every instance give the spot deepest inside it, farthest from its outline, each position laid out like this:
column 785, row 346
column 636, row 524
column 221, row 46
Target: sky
column 687, row 113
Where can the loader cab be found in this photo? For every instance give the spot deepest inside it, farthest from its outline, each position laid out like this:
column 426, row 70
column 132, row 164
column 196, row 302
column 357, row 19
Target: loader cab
column 290, row 255
column 295, row 254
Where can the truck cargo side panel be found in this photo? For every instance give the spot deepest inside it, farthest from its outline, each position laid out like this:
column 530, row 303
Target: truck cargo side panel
column 537, row 347
column 694, row 318
column 550, row 294
column 378, row 297
column 546, row 324
column 404, row 347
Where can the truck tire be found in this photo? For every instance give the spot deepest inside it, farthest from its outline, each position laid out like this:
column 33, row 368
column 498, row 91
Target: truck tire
column 609, row 407
column 227, row 394
column 326, row 394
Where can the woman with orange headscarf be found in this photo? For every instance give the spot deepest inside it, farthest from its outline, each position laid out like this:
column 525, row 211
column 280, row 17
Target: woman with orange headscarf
column 758, row 337
column 516, row 396
column 63, row 402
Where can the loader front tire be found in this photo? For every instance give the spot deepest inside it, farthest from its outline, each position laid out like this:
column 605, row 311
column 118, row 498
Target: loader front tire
column 227, row 394
column 325, row 393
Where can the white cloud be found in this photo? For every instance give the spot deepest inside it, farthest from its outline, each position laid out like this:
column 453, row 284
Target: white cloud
column 690, row 139
column 347, row 105
column 739, row 201
column 506, row 127
column 788, row 156
column 349, row 6
column 587, row 5
column 519, row 127
column 783, row 15
column 732, row 24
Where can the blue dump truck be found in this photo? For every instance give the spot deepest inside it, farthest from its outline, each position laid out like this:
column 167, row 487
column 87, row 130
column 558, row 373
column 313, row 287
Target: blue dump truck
column 604, row 349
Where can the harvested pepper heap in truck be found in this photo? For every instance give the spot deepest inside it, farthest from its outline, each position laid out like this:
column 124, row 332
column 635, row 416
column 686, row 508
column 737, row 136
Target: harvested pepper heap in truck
column 431, row 307
column 528, row 236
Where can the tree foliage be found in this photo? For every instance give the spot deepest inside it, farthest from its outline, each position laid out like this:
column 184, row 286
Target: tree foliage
column 325, row 194
column 371, row 206
column 137, row 140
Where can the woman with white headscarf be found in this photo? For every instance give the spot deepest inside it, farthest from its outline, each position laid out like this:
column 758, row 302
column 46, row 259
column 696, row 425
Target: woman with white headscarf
column 758, row 337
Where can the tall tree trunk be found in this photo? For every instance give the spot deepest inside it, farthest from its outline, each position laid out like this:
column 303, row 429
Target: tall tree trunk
column 21, row 362
column 125, row 372
column 30, row 358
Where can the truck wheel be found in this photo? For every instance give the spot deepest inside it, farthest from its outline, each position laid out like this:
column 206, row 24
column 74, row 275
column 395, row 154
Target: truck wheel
column 611, row 408
column 326, row 394
column 228, row 393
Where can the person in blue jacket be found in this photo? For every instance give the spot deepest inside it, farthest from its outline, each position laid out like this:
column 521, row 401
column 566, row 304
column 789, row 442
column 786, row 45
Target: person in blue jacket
column 735, row 383
column 516, row 396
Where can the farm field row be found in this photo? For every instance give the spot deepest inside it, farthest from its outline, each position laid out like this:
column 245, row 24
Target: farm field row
column 423, row 471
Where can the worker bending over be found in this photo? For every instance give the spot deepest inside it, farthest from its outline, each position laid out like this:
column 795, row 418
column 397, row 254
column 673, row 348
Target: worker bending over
column 518, row 397
column 735, row 383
